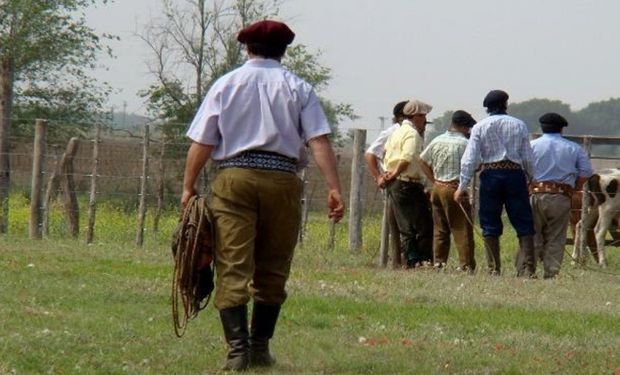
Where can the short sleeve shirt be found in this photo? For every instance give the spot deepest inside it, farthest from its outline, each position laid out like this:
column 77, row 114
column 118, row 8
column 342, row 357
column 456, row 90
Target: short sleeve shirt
column 404, row 144
column 444, row 155
column 259, row 106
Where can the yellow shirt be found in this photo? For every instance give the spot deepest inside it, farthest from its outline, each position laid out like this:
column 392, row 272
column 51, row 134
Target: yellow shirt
column 404, row 144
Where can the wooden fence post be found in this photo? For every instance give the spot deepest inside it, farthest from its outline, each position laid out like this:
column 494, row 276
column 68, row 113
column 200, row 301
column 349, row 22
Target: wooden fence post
column 355, row 197
column 38, row 160
column 143, row 181
column 385, row 233
column 583, row 235
column 161, row 184
column 92, row 203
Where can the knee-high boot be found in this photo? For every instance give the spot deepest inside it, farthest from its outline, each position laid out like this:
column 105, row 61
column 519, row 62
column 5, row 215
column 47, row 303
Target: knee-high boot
column 235, row 323
column 264, row 318
column 526, row 257
column 491, row 246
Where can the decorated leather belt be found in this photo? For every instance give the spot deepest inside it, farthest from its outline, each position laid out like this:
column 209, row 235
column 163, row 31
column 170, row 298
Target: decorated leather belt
column 409, row 179
column 549, row 187
column 454, row 184
column 265, row 160
column 504, row 164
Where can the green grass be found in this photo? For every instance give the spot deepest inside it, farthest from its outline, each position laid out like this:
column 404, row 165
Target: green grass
column 69, row 308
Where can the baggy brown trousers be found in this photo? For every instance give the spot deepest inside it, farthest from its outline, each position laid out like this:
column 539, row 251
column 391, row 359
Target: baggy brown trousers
column 449, row 218
column 256, row 217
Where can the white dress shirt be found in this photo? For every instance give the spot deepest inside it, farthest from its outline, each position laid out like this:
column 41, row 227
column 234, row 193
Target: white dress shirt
column 259, row 106
column 377, row 147
column 496, row 138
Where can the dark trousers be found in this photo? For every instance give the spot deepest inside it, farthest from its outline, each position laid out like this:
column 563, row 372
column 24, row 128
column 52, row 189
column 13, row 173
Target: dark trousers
column 413, row 216
column 499, row 188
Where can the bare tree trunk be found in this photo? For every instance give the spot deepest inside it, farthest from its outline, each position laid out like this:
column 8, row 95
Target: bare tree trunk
column 7, row 76
column 72, row 210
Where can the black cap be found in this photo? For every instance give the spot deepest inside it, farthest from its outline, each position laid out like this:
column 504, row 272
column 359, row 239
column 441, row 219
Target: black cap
column 553, row 118
column 494, row 98
column 398, row 108
column 463, row 118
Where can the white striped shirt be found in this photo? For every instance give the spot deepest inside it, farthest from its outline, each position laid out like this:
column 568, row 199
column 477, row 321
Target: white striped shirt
column 496, row 138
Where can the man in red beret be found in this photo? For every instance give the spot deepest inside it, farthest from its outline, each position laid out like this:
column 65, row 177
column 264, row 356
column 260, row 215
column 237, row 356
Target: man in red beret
column 254, row 123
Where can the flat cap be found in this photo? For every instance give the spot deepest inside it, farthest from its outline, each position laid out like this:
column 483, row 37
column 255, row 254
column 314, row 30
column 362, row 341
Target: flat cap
column 553, row 118
column 398, row 108
column 267, row 32
column 463, row 118
column 416, row 107
column 495, row 97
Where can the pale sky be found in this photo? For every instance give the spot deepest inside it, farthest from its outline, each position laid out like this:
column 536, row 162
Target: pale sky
column 447, row 53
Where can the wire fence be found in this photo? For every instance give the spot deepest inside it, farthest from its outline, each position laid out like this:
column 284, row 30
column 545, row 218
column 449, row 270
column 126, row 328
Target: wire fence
column 139, row 174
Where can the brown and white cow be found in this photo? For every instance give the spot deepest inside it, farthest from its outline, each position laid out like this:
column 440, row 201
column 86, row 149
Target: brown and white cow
column 602, row 215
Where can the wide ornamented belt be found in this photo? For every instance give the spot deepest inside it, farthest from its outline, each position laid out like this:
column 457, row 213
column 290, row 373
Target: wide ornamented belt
column 409, row 179
column 256, row 159
column 504, row 164
column 454, row 184
column 549, row 187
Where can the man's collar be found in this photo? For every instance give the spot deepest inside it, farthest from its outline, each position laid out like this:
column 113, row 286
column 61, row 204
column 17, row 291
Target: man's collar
column 263, row 63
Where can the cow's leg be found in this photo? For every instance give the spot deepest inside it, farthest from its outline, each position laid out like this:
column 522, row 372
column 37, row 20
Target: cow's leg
column 602, row 225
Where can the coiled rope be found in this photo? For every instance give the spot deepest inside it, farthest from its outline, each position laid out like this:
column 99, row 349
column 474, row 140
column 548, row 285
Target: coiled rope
column 192, row 250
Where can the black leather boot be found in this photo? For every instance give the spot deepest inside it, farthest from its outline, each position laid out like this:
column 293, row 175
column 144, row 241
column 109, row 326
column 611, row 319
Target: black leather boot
column 526, row 258
column 235, row 323
column 491, row 246
column 264, row 318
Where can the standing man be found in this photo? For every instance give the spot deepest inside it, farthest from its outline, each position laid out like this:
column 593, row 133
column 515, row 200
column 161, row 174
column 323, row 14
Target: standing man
column 376, row 151
column 560, row 167
column 374, row 160
column 253, row 123
column 501, row 143
column 404, row 181
column 441, row 162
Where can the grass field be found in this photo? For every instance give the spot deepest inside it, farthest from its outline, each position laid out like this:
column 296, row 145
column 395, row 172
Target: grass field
column 68, row 308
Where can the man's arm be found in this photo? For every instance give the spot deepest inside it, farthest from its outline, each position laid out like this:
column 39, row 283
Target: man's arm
column 469, row 161
column 372, row 161
column 584, row 169
column 324, row 157
column 197, row 156
column 393, row 174
column 428, row 171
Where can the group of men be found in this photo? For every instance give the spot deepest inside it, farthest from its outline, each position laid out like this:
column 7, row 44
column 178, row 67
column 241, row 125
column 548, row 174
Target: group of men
column 427, row 187
column 255, row 124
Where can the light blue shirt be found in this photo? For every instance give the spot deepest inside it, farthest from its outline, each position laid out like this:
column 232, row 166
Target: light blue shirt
column 259, row 106
column 556, row 159
column 496, row 138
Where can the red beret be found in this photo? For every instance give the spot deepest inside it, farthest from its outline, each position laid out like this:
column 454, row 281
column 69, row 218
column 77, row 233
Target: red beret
column 267, row 32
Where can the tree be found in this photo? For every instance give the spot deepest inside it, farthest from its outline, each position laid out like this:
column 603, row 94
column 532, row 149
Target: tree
column 45, row 49
column 196, row 44
column 530, row 111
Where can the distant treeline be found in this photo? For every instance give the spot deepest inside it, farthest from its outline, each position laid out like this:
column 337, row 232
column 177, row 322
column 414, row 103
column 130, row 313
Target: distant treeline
column 598, row 118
